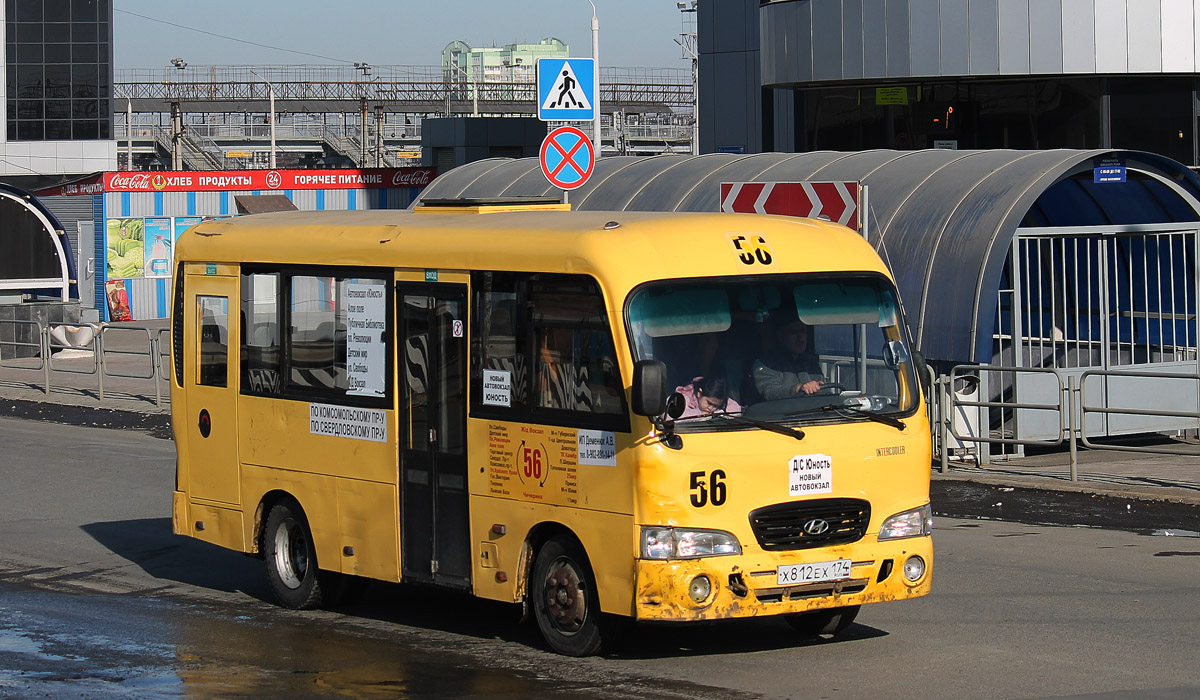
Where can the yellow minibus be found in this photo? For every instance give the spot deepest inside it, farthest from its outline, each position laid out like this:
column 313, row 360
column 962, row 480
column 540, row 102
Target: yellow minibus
column 601, row 416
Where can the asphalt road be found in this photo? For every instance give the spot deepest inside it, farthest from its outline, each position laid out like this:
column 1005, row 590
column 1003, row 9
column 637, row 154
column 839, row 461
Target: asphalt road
column 99, row 599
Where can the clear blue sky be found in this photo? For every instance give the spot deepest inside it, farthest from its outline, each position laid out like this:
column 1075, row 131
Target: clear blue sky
column 637, row 33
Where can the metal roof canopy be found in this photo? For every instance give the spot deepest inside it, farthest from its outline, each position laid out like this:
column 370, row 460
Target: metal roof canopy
column 943, row 221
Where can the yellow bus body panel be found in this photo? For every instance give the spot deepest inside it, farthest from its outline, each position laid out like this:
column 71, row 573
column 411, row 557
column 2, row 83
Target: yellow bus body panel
column 349, row 488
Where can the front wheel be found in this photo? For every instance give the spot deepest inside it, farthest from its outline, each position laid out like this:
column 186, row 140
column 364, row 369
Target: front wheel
column 565, row 601
column 821, row 623
column 291, row 557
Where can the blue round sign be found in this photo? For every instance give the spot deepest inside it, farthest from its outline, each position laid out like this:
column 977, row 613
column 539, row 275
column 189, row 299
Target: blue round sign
column 567, row 157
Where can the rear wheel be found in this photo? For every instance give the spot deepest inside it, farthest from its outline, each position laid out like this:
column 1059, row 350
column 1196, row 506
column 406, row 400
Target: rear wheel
column 565, row 601
column 820, row 623
column 291, row 558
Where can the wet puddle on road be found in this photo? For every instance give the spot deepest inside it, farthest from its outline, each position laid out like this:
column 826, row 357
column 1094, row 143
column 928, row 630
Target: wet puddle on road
column 66, row 645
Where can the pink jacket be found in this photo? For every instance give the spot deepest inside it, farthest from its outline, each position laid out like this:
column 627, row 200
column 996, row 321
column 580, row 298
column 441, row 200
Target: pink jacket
column 692, row 404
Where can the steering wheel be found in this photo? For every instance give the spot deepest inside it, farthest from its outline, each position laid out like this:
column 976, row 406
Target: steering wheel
column 829, row 389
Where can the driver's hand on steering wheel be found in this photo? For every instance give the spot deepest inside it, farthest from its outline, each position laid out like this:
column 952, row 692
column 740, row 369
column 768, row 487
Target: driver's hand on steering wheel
column 809, row 387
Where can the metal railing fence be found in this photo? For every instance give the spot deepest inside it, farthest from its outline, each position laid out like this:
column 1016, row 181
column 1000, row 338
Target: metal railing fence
column 1086, row 408
column 15, row 352
column 126, row 352
column 151, row 352
column 949, row 399
column 1070, row 406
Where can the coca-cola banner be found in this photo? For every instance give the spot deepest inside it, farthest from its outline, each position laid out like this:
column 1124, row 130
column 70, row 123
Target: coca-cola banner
column 218, row 180
column 243, row 180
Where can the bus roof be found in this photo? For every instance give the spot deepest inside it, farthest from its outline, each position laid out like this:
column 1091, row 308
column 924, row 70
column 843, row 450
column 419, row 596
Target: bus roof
column 622, row 249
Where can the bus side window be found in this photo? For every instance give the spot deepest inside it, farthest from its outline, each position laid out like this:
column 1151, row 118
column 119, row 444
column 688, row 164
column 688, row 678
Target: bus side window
column 500, row 341
column 213, row 317
column 542, row 341
column 576, row 367
column 260, row 334
column 577, row 371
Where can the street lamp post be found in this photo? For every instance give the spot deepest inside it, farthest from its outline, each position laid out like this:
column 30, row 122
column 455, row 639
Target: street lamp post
column 177, row 121
column 687, row 41
column 596, row 77
column 365, row 68
column 128, row 132
column 271, row 116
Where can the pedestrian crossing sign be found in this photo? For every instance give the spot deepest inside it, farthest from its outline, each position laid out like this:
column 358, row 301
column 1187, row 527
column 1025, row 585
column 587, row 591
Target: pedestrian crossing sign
column 566, row 89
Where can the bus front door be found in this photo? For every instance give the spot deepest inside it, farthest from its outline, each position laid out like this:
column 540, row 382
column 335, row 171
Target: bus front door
column 210, row 408
column 434, row 533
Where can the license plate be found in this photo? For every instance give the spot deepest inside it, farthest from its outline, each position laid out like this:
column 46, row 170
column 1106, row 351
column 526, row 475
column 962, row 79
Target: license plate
column 815, row 572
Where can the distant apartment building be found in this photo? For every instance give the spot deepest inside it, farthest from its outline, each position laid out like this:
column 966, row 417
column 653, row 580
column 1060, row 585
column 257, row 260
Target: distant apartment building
column 465, row 66
column 58, row 84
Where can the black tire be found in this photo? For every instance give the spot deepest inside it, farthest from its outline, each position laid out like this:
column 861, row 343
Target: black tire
column 292, row 559
column 823, row 623
column 565, row 602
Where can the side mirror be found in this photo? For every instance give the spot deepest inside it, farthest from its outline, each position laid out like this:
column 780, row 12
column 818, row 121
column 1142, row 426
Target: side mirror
column 649, row 388
column 894, row 354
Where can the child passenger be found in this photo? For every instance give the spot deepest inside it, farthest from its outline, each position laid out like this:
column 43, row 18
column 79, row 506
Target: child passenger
column 706, row 396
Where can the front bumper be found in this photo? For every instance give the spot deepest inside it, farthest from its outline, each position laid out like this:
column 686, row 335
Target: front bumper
column 746, row 585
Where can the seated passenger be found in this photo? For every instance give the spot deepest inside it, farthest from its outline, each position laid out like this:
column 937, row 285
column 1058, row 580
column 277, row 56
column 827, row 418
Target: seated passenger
column 789, row 370
column 706, row 396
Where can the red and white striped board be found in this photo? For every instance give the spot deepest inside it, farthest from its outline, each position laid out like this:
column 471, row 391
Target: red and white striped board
column 836, row 200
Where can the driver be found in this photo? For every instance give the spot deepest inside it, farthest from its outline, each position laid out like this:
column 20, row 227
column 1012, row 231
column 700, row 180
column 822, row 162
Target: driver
column 790, row 369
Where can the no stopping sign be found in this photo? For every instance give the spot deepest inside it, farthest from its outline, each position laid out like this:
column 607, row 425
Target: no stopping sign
column 567, row 157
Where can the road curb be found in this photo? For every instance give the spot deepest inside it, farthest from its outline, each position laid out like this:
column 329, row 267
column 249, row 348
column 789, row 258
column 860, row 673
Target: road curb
column 1152, row 494
column 1033, row 505
column 154, row 424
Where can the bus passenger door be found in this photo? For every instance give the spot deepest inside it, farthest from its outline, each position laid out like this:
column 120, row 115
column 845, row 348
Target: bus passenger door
column 210, row 373
column 434, row 534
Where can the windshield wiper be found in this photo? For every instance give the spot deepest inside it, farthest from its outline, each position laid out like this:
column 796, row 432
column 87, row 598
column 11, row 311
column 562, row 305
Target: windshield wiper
column 870, row 415
column 790, row 432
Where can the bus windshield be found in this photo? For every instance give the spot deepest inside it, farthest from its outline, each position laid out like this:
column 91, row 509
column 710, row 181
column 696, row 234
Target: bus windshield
column 810, row 348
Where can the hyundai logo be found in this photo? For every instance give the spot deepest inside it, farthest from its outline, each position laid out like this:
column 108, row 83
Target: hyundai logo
column 816, row 526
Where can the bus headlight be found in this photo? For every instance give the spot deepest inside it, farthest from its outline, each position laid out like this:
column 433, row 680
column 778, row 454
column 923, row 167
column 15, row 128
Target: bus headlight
column 682, row 543
column 911, row 523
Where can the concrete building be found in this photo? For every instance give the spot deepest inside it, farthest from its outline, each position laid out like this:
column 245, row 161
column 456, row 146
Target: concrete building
column 800, row 75
column 58, row 82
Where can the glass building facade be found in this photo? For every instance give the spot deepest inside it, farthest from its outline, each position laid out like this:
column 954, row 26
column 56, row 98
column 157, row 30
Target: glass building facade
column 1148, row 114
column 847, row 75
column 58, row 63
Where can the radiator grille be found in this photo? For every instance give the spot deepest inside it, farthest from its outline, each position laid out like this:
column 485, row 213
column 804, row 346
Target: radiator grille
column 782, row 526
